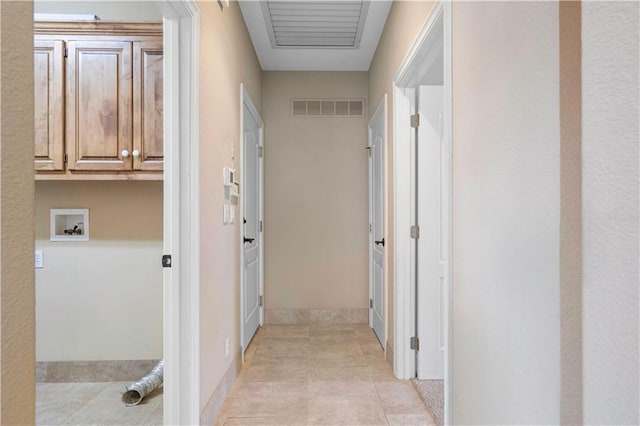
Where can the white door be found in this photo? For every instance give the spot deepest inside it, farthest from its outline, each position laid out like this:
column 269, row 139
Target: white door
column 430, row 291
column 250, row 225
column 377, row 131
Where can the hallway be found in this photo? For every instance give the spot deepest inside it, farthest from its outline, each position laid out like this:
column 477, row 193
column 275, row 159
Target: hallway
column 320, row 375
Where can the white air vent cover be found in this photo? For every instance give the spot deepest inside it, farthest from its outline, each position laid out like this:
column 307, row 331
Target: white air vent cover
column 319, row 24
column 327, row 107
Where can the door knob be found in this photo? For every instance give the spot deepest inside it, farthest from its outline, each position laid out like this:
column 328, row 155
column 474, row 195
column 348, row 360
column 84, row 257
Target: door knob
column 381, row 242
column 125, row 153
column 248, row 240
column 135, row 153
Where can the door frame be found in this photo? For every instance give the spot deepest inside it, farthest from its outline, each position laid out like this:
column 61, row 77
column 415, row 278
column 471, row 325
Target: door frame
column 245, row 100
column 404, row 82
column 382, row 109
column 181, row 205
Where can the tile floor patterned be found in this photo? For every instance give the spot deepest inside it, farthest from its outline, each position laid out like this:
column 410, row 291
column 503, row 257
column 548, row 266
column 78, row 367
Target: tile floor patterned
column 93, row 404
column 320, row 375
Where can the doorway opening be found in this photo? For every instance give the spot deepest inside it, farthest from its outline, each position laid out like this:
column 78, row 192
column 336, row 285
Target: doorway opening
column 422, row 191
column 175, row 304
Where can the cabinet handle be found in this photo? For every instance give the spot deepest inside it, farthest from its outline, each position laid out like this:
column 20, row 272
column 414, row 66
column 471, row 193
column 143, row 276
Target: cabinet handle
column 136, row 153
column 125, row 153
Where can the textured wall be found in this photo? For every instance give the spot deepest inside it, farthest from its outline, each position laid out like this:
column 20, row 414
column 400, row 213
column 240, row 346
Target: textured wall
column 17, row 363
column 570, row 213
column 506, row 213
column 316, row 195
column 101, row 299
column 610, row 34
column 405, row 20
column 227, row 59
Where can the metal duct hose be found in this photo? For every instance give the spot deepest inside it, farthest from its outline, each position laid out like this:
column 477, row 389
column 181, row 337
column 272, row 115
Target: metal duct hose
column 143, row 387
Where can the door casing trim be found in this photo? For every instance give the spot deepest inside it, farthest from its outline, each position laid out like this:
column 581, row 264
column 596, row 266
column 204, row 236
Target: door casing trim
column 404, row 82
column 181, row 239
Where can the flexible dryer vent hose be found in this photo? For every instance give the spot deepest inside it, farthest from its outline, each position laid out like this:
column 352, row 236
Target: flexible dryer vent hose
column 143, row 387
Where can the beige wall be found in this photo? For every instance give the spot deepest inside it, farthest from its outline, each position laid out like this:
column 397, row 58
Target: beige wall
column 316, row 195
column 405, row 20
column 17, row 352
column 101, row 299
column 610, row 114
column 506, row 213
column 570, row 213
column 227, row 59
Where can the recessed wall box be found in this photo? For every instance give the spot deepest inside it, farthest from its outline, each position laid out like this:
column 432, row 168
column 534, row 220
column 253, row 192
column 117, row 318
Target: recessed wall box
column 69, row 225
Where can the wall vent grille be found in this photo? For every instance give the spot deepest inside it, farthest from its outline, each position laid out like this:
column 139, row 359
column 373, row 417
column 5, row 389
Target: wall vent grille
column 354, row 108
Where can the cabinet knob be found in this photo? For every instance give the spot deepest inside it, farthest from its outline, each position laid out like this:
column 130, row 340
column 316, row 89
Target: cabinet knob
column 125, row 153
column 136, row 153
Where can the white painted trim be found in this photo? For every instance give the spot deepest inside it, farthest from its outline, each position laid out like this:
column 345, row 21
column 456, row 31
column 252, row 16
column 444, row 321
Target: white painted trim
column 404, row 365
column 245, row 100
column 385, row 205
column 181, row 400
column 171, row 296
column 370, row 206
column 404, row 359
column 402, row 75
column 382, row 109
column 448, row 146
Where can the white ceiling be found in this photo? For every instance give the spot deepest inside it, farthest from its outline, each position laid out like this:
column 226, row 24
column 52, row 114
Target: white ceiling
column 313, row 23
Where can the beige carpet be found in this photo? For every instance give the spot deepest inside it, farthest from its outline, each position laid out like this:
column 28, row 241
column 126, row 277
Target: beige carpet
column 432, row 393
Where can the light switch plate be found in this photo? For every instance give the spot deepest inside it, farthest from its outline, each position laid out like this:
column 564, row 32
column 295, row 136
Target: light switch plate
column 232, row 214
column 39, row 259
column 225, row 214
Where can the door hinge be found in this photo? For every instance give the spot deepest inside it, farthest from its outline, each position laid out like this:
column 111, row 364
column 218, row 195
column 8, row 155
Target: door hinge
column 370, row 303
column 369, row 150
column 66, row 158
column 370, row 228
column 260, row 152
column 415, row 121
column 415, row 232
column 66, row 52
column 260, row 300
column 414, row 344
column 166, row 261
column 260, row 225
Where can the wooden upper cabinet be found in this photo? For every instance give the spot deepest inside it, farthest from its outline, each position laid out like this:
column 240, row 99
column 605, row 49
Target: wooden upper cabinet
column 147, row 106
column 99, row 105
column 48, row 61
column 98, row 100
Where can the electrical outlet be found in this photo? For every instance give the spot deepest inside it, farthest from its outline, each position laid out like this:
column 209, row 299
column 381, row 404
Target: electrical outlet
column 39, row 259
column 227, row 348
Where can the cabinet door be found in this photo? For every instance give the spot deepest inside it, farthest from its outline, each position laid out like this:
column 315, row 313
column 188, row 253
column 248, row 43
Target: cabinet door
column 48, row 58
column 99, row 106
column 147, row 105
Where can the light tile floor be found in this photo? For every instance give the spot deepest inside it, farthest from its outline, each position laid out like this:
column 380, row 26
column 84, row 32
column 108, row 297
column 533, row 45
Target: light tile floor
column 320, row 375
column 93, row 404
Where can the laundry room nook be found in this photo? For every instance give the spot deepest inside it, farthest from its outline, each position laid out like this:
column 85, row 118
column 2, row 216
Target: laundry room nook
column 98, row 72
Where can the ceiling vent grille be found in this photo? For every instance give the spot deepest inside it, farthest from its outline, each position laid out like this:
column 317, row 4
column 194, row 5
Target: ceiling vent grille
column 315, row 24
column 327, row 108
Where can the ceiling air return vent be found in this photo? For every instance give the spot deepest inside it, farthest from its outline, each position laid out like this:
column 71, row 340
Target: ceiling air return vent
column 315, row 24
column 327, row 108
